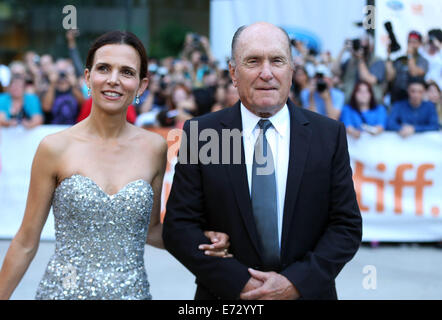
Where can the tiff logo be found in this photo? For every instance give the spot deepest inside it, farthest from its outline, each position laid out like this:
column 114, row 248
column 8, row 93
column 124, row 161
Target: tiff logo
column 398, row 183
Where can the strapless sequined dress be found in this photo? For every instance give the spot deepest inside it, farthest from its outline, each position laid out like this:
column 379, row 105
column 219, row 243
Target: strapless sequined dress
column 100, row 240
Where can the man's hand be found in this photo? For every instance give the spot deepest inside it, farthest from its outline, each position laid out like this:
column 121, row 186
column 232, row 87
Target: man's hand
column 219, row 247
column 53, row 75
column 325, row 95
column 359, row 55
column 275, row 287
column 251, row 285
column 406, row 130
column 70, row 36
column 411, row 51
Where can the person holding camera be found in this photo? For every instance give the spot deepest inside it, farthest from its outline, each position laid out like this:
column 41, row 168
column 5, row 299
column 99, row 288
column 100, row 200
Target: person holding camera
column 64, row 95
column 197, row 50
column 321, row 96
column 403, row 68
column 362, row 65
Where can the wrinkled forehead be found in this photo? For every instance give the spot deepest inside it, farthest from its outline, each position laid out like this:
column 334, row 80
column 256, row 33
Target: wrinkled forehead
column 262, row 41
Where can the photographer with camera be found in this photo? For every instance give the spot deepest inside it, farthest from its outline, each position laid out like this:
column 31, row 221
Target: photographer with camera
column 403, row 68
column 64, row 95
column 363, row 65
column 321, row 96
column 197, row 50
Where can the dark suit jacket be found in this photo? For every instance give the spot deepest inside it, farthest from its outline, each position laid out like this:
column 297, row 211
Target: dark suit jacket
column 322, row 225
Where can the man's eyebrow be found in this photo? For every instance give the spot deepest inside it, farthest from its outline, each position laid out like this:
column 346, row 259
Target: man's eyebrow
column 252, row 56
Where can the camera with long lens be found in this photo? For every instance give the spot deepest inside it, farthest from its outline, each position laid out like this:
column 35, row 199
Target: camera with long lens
column 394, row 45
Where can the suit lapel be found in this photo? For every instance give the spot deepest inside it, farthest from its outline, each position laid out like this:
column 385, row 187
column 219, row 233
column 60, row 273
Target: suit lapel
column 238, row 177
column 300, row 135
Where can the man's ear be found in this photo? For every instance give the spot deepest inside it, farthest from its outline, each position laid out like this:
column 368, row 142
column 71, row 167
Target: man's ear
column 143, row 86
column 232, row 74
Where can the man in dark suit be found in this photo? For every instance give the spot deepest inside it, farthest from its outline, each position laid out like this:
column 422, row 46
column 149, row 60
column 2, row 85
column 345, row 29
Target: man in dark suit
column 292, row 228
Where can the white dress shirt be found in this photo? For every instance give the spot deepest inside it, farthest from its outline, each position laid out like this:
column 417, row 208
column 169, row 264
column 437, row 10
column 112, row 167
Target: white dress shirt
column 278, row 137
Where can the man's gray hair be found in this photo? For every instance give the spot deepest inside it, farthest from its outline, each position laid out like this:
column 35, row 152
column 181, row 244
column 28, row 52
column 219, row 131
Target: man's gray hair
column 235, row 42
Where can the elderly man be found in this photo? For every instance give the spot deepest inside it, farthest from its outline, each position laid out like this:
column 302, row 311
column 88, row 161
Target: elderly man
column 286, row 200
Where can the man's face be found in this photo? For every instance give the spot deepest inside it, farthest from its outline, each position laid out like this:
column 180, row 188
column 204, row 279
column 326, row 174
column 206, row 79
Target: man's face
column 263, row 70
column 416, row 94
column 414, row 44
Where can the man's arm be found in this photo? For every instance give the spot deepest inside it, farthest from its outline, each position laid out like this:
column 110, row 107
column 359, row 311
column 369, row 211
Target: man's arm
column 183, row 227
column 413, row 69
column 393, row 123
column 390, row 71
column 433, row 121
column 318, row 268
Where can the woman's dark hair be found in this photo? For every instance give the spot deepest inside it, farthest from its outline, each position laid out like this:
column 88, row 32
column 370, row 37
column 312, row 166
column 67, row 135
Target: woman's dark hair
column 433, row 83
column 119, row 37
column 295, row 85
column 353, row 103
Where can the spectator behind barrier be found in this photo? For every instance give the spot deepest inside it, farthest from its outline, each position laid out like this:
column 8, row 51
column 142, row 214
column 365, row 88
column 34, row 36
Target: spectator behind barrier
column 410, row 66
column 321, row 96
column 434, row 95
column 300, row 82
column 18, row 107
column 232, row 95
column 362, row 113
column 197, row 51
column 432, row 53
column 414, row 114
column 226, row 95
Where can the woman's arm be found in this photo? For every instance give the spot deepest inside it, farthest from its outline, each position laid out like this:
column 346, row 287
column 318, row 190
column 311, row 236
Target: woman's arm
column 25, row 243
column 154, row 236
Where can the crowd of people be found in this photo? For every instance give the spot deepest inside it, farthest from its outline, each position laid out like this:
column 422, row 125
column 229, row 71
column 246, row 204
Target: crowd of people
column 363, row 91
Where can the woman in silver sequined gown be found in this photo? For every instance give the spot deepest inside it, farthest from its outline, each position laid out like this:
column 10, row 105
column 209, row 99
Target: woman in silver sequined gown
column 103, row 178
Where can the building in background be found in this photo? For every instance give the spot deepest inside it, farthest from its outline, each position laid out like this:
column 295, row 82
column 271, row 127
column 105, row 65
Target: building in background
column 37, row 24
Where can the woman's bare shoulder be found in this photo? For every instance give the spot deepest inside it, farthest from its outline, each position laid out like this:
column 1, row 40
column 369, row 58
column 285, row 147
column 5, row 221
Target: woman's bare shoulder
column 55, row 144
column 150, row 141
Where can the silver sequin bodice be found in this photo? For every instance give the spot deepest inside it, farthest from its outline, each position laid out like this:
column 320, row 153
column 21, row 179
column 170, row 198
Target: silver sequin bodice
column 100, row 239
